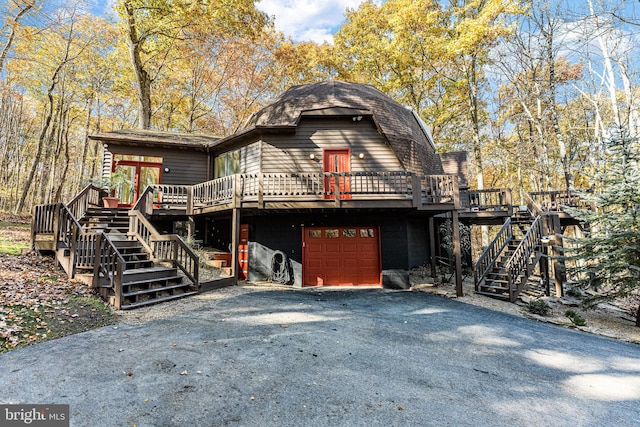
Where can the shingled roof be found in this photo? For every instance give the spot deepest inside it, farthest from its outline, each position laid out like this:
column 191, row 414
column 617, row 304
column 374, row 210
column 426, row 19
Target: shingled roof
column 403, row 129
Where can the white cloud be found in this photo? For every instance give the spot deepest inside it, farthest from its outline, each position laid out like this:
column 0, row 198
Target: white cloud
column 308, row 20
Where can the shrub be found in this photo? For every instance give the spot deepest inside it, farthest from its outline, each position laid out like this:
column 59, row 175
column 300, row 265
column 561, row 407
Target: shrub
column 538, row 307
column 575, row 318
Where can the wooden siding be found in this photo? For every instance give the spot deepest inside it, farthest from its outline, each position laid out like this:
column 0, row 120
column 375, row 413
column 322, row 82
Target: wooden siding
column 250, row 158
column 186, row 167
column 290, row 153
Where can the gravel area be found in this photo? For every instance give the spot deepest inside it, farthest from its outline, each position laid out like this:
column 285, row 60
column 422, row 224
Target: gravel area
column 609, row 320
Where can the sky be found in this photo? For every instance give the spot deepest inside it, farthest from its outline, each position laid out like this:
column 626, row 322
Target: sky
column 302, row 20
column 308, row 20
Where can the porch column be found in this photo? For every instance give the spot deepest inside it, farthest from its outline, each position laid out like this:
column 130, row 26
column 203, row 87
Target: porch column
column 432, row 247
column 235, row 239
column 455, row 238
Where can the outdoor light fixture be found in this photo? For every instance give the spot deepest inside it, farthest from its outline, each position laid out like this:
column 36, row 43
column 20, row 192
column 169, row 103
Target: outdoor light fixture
column 361, row 156
column 312, row 156
column 166, row 170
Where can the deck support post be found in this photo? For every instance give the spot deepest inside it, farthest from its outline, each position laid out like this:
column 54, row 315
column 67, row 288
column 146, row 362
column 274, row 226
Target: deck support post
column 235, row 239
column 432, row 247
column 455, row 238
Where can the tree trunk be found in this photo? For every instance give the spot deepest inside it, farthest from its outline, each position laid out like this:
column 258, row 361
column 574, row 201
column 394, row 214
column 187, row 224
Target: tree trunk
column 555, row 122
column 12, row 34
column 41, row 141
column 143, row 82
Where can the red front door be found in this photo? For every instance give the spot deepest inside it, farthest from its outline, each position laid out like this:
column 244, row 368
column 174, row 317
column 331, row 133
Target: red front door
column 336, row 162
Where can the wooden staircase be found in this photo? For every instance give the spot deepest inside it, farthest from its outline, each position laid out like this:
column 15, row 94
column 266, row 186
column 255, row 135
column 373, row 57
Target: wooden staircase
column 504, row 268
column 116, row 251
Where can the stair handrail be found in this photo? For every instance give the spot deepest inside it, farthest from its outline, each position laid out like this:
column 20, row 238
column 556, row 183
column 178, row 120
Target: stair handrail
column 176, row 251
column 90, row 195
column 519, row 259
column 492, row 252
column 109, row 263
column 145, row 202
column 534, row 208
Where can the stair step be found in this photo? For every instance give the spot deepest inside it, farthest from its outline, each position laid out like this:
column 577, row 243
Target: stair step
column 147, row 281
column 494, row 295
column 152, row 290
column 138, row 264
column 147, row 274
column 156, row 300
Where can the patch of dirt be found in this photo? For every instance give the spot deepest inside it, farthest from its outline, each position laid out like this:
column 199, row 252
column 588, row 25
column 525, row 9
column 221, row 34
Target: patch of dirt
column 40, row 303
column 613, row 320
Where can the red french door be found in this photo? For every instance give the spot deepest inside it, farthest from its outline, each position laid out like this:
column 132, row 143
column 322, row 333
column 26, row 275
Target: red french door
column 140, row 175
column 336, row 162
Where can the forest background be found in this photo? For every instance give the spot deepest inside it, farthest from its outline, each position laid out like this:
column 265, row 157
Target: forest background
column 533, row 90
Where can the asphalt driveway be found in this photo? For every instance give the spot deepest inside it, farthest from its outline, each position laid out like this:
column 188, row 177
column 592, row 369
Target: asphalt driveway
column 331, row 358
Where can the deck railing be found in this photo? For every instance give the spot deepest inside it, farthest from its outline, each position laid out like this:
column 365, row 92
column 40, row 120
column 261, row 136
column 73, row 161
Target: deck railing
column 433, row 189
column 490, row 199
column 555, row 201
column 213, row 192
column 492, row 252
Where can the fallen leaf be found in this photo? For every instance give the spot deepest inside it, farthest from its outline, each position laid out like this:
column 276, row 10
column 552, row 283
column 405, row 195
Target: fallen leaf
column 183, row 373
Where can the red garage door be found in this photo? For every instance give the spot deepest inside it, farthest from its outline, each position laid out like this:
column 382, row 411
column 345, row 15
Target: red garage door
column 335, row 256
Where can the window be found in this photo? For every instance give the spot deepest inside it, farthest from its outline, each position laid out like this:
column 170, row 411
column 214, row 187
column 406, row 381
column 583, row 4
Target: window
column 315, row 234
column 136, row 158
column 366, row 232
column 349, row 232
column 227, row 164
column 332, row 234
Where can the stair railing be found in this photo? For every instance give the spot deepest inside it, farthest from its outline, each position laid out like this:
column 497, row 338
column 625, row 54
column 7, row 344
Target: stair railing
column 519, row 263
column 145, row 202
column 491, row 253
column 89, row 196
column 109, row 265
column 164, row 247
column 534, row 208
column 70, row 232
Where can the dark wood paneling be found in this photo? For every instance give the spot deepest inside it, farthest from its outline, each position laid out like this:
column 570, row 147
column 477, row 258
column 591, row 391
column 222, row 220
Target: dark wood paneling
column 290, row 153
column 186, row 167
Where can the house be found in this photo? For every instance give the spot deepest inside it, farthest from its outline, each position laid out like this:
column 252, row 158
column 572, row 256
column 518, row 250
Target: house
column 336, row 177
column 332, row 184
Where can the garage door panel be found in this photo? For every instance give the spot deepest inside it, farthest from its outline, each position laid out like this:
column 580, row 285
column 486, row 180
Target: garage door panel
column 341, row 256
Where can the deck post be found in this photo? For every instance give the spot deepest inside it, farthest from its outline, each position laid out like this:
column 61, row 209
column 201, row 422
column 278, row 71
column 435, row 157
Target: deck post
column 235, row 239
column 416, row 191
column 559, row 274
column 261, row 190
column 237, row 191
column 455, row 238
column 432, row 247
column 190, row 200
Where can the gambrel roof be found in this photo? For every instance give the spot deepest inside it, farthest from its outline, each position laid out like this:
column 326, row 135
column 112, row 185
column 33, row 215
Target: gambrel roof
column 406, row 133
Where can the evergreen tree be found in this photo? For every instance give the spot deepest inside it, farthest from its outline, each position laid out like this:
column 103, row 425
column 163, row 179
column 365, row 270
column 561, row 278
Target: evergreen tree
column 607, row 258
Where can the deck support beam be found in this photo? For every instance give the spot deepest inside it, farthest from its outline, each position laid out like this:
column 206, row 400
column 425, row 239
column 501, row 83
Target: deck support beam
column 455, row 238
column 432, row 247
column 235, row 239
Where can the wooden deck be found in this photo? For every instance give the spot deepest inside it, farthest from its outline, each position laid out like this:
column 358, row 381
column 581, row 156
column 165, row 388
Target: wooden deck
column 306, row 191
